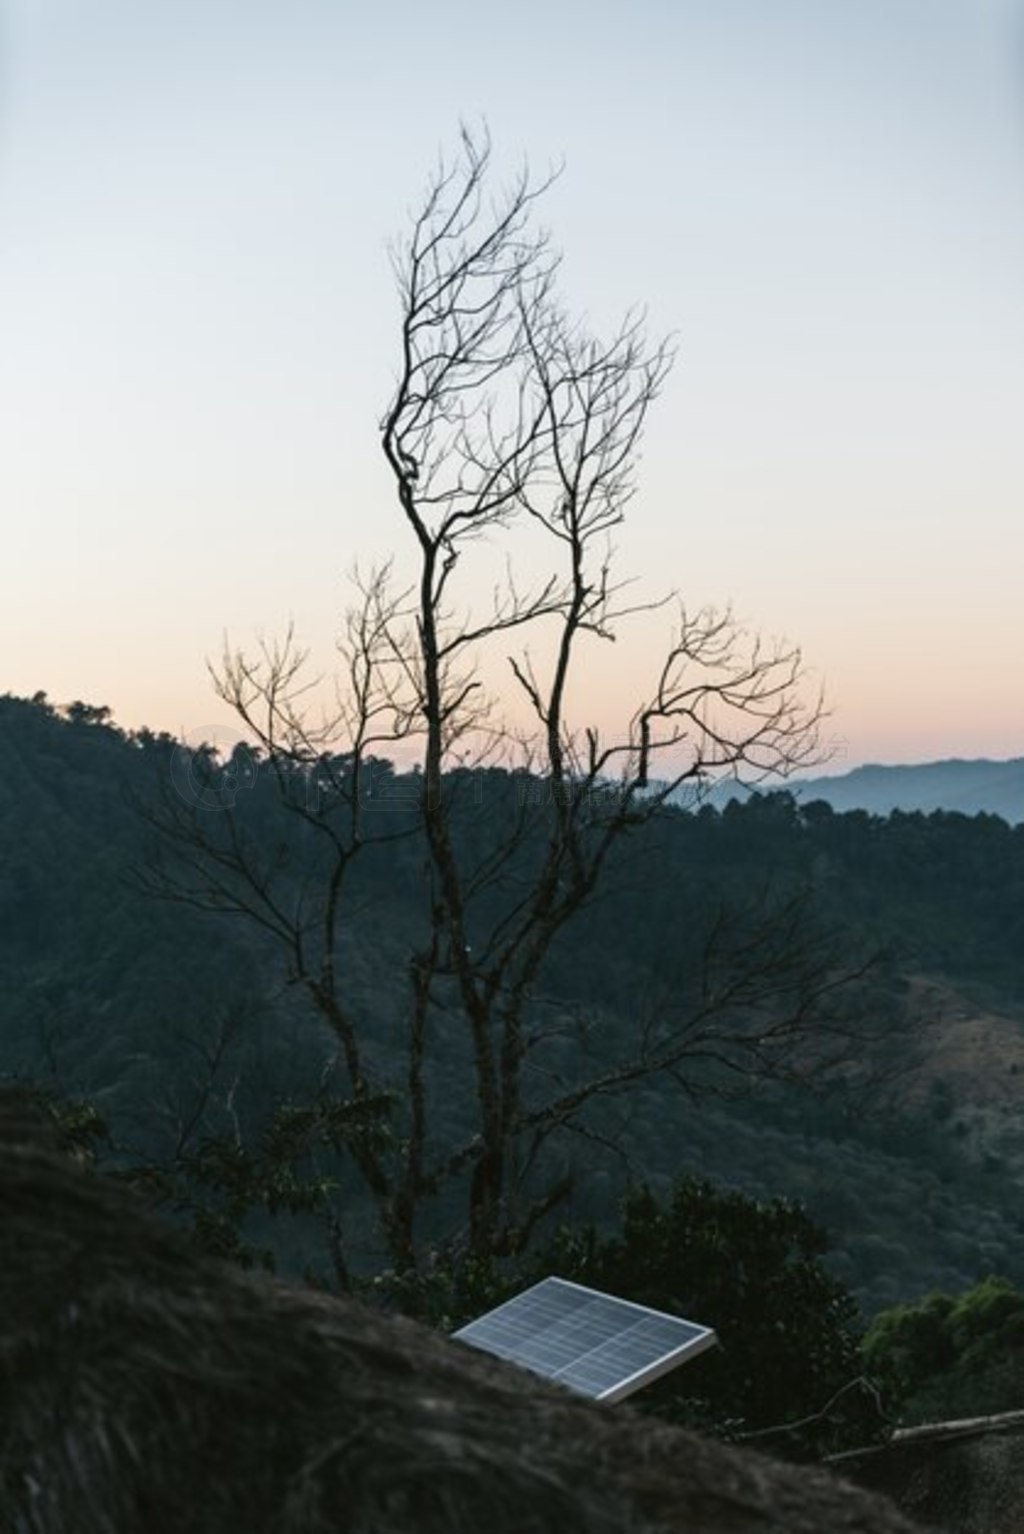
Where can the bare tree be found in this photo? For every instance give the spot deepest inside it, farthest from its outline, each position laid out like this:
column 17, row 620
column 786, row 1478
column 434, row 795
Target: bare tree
column 512, row 431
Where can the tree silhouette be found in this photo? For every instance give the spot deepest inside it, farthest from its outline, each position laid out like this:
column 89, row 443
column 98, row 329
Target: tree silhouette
column 511, row 439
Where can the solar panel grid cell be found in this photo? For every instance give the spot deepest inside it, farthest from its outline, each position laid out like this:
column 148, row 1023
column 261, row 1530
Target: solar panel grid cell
column 595, row 1344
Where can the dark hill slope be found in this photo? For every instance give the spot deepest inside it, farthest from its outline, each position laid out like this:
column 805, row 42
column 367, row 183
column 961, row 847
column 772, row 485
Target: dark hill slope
column 128, row 1000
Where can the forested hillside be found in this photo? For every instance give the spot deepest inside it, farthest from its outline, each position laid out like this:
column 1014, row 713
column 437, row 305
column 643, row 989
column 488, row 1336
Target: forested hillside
column 178, row 1022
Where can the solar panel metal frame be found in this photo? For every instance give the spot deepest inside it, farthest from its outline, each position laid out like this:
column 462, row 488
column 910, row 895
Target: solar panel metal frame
column 632, row 1314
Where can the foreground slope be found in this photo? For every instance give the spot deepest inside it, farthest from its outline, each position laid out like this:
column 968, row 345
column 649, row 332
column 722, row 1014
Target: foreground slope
column 141, row 1386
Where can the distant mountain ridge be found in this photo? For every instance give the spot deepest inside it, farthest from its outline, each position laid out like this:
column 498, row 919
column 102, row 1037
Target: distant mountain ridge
column 968, row 787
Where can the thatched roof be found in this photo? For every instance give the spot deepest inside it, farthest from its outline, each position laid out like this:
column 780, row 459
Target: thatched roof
column 967, row 1474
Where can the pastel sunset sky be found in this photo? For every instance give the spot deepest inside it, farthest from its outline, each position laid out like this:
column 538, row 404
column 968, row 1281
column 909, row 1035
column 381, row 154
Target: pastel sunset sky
column 823, row 200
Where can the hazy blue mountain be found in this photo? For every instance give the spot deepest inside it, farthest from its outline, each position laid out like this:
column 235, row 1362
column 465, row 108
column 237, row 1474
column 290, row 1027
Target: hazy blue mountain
column 969, row 787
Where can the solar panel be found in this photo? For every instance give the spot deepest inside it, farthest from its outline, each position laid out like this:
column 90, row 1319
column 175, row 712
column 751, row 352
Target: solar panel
column 595, row 1344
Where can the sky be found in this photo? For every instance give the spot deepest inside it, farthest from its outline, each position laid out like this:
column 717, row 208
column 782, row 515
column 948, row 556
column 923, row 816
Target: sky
column 822, row 201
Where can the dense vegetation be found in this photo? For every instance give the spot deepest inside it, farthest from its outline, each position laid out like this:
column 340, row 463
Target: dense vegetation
column 788, row 1365
column 180, row 1026
column 952, row 1356
column 788, row 1332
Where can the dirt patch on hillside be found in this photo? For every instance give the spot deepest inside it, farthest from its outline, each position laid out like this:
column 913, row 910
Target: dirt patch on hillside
column 977, row 1053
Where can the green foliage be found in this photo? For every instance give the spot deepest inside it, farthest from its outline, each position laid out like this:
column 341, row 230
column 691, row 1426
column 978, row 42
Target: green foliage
column 952, row 1356
column 449, row 1289
column 223, row 1182
column 79, row 1127
column 788, row 1331
column 789, row 1335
